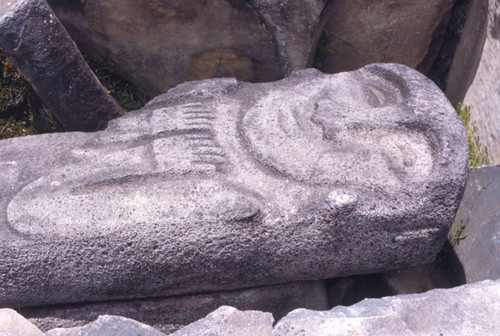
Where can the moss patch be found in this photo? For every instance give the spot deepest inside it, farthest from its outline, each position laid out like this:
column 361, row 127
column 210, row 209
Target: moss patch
column 17, row 102
column 478, row 154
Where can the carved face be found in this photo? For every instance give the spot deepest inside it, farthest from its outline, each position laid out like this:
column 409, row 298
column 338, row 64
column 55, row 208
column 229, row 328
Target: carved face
column 355, row 127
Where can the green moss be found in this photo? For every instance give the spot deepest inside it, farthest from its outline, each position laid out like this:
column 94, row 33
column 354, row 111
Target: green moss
column 21, row 110
column 23, row 113
column 478, row 154
column 458, row 234
column 17, row 100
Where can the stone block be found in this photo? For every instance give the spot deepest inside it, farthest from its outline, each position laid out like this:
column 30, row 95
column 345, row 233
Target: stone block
column 108, row 325
column 466, row 310
column 479, row 213
column 358, row 33
column 164, row 43
column 37, row 43
column 230, row 321
column 13, row 324
column 473, row 77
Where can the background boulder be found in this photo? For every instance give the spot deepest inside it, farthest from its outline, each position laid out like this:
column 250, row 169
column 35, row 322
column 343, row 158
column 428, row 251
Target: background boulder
column 164, row 43
column 474, row 77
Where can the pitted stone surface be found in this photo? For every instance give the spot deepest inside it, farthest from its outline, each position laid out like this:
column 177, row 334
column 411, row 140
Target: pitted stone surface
column 220, row 184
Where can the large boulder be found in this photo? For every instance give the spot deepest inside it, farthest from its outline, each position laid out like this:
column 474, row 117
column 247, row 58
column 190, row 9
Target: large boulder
column 467, row 310
column 476, row 230
column 221, row 184
column 364, row 31
column 474, row 75
column 38, row 44
column 164, row 43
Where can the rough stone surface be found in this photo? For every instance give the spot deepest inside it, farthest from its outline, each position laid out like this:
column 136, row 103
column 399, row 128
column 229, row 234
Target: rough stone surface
column 170, row 42
column 171, row 313
column 479, row 252
column 230, row 321
column 219, row 185
column 363, row 32
column 108, row 325
column 13, row 324
column 296, row 27
column 467, row 310
column 37, row 43
column 483, row 94
column 468, row 52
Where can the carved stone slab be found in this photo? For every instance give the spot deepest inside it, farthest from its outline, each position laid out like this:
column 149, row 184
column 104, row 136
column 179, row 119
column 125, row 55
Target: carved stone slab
column 220, row 184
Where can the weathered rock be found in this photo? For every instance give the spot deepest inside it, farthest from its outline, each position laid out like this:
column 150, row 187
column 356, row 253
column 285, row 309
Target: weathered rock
column 230, row 321
column 220, row 185
column 363, row 32
column 13, row 324
column 171, row 313
column 479, row 212
column 468, row 52
column 474, row 70
column 467, row 310
column 108, row 325
column 170, row 42
column 39, row 46
column 296, row 27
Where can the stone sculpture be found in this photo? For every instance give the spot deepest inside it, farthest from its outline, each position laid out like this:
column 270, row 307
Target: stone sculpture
column 220, row 184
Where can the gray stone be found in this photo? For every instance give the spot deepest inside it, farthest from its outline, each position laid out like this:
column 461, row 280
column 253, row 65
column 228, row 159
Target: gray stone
column 220, row 185
column 170, row 42
column 468, row 52
column 467, row 310
column 108, row 325
column 363, row 32
column 39, row 46
column 479, row 212
column 230, row 321
column 13, row 324
column 474, row 70
column 171, row 313
column 296, row 28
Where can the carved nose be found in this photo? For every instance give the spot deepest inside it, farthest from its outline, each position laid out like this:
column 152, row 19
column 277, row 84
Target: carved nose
column 332, row 118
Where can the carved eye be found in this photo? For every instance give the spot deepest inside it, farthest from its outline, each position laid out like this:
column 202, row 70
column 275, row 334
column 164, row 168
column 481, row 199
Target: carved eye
column 376, row 96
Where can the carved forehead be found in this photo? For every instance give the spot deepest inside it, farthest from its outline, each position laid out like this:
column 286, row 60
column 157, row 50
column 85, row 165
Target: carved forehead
column 367, row 87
